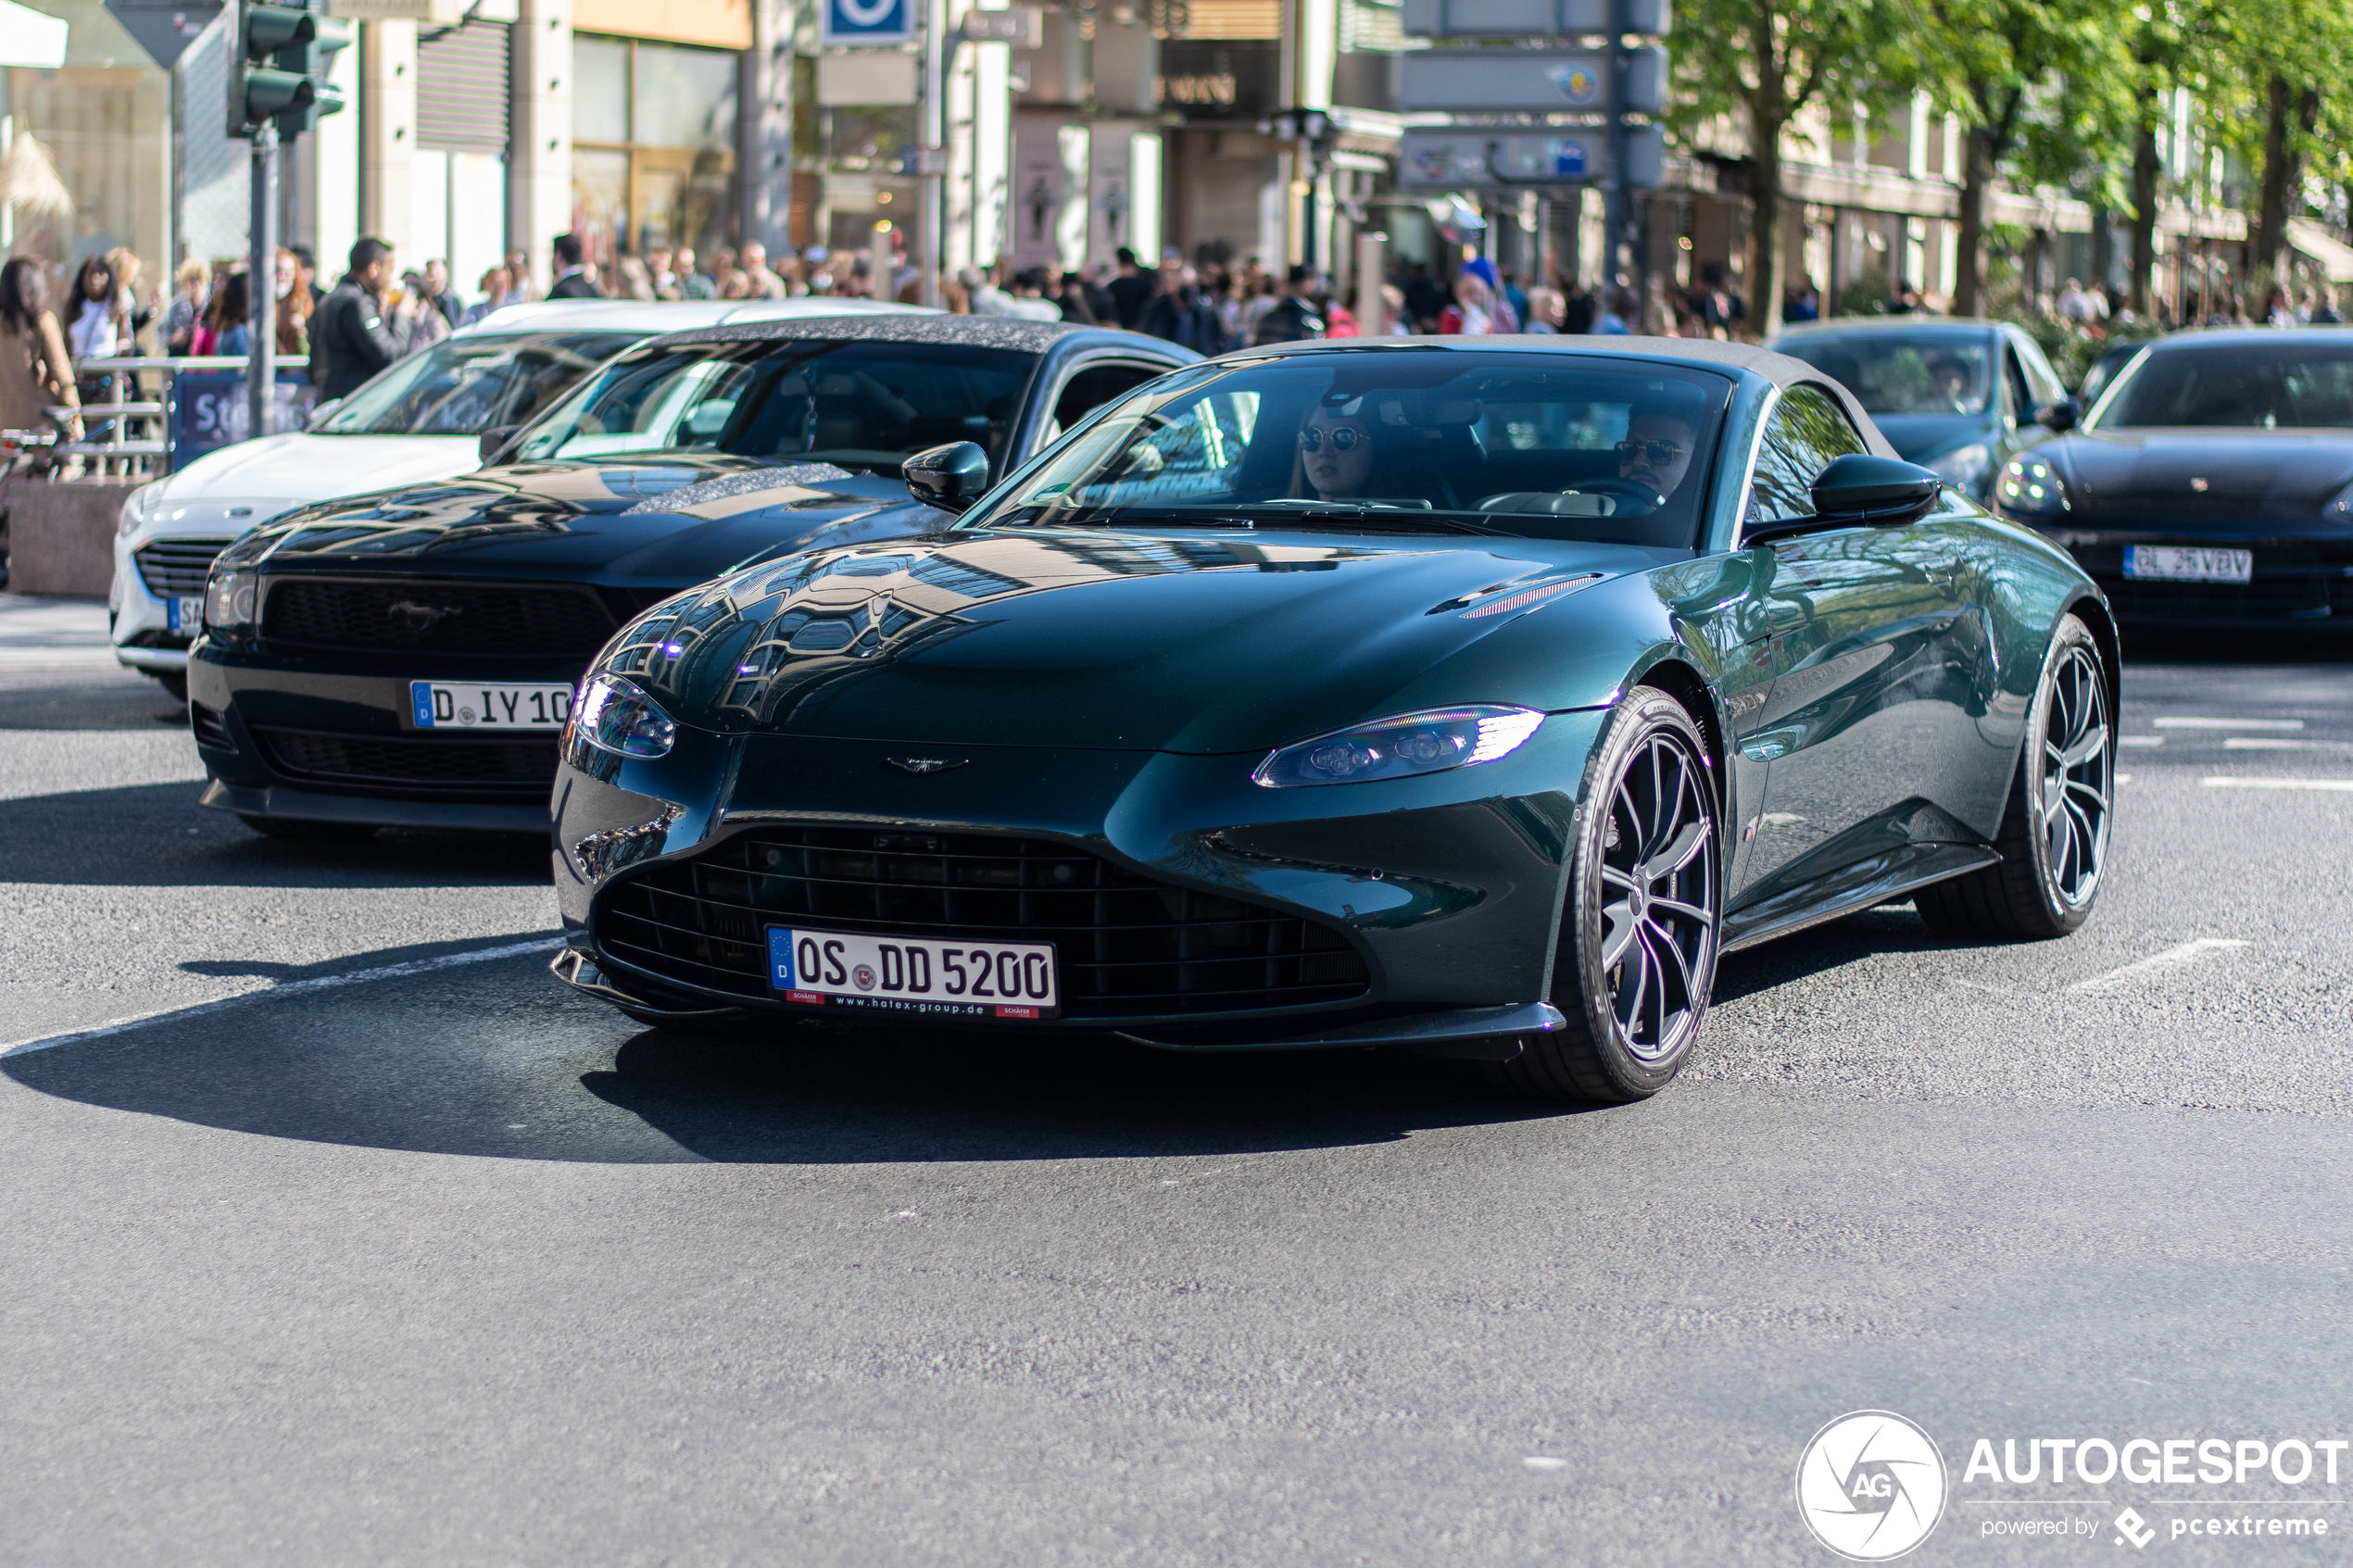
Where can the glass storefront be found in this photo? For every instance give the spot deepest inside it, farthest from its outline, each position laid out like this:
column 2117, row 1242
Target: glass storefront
column 104, row 120
column 653, row 146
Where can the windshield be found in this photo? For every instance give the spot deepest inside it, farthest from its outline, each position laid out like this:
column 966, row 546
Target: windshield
column 465, row 386
column 860, row 403
column 1542, row 445
column 1903, row 372
column 2295, row 384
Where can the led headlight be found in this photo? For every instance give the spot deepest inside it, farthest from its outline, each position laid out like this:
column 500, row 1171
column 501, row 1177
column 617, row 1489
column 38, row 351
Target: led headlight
column 137, row 508
column 2340, row 508
column 613, row 715
column 227, row 601
column 1963, row 468
column 2030, row 487
column 1428, row 742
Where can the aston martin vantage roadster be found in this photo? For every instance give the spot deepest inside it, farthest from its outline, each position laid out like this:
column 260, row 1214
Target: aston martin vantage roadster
column 1469, row 698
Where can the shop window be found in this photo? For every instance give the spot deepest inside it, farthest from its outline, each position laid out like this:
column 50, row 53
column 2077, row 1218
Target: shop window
column 654, row 147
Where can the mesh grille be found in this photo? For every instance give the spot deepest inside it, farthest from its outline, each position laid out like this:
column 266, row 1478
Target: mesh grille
column 514, row 769
column 170, row 567
column 552, row 621
column 1128, row 947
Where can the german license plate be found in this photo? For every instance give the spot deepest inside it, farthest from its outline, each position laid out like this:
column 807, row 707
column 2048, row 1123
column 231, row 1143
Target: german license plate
column 1011, row 980
column 446, row 704
column 184, row 614
column 2177, row 563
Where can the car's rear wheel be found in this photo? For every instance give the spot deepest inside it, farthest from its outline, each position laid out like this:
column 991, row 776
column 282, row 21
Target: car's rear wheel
column 2055, row 829
column 1636, row 959
column 301, row 829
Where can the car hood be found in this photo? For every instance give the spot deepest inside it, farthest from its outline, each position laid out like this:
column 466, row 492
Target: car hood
column 293, row 468
column 1917, row 437
column 680, row 521
column 1119, row 640
column 2127, row 478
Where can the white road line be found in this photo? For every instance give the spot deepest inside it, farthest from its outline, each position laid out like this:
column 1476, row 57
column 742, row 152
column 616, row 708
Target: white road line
column 2140, row 740
column 2175, row 958
column 2251, row 782
column 2274, row 743
column 319, row 983
column 2230, row 723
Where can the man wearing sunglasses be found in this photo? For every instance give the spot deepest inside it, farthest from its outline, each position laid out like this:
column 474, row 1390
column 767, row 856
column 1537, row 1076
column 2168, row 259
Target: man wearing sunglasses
column 1656, row 450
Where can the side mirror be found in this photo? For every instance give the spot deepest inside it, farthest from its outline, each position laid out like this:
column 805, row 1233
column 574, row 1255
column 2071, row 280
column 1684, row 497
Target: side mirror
column 2063, row 415
column 1856, row 491
column 321, row 413
column 950, row 477
column 493, row 441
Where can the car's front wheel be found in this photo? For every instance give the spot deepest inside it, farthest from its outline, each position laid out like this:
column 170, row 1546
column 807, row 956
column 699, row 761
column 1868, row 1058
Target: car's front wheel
column 1636, row 958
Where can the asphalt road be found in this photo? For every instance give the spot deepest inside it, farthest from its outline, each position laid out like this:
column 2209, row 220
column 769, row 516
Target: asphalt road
column 354, row 1247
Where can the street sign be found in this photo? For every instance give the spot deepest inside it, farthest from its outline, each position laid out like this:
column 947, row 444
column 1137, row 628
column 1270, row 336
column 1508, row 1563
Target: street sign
column 868, row 21
column 1023, row 27
column 1530, row 81
column 1473, row 159
column 1528, row 18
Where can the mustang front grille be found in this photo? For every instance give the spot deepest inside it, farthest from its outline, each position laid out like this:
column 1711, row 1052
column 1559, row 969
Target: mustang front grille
column 177, row 567
column 555, row 620
column 521, row 768
column 1128, row 947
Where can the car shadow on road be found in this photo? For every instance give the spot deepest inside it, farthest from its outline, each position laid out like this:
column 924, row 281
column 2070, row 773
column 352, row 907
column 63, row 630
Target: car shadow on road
column 1888, row 928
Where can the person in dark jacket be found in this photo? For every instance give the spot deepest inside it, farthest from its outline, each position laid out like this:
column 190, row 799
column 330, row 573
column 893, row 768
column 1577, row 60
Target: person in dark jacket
column 1180, row 314
column 572, row 279
column 1293, row 318
column 350, row 340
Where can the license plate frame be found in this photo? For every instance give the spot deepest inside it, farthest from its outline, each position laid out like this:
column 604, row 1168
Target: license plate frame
column 183, row 614
column 2188, row 563
column 515, row 707
column 878, row 971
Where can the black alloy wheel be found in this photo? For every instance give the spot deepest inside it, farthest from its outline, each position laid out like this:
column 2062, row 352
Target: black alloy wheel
column 2055, row 829
column 1636, row 959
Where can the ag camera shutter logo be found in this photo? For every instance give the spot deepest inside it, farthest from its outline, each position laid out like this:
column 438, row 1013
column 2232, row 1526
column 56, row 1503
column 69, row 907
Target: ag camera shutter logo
column 1870, row 1486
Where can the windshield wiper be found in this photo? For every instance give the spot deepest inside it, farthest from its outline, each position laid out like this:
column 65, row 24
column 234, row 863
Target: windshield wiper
column 1382, row 520
column 1122, row 517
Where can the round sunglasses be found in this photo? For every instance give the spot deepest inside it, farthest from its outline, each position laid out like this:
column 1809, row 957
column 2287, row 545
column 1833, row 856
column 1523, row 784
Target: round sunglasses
column 1344, row 438
column 1660, row 453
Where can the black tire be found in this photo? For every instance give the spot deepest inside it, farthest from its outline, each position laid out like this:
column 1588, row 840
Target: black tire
column 301, row 829
column 1636, row 958
column 2055, row 829
column 175, row 682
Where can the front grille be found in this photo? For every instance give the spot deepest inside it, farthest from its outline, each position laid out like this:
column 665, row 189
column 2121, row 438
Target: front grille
column 552, row 620
column 2284, row 595
column 1128, row 947
column 510, row 769
column 173, row 567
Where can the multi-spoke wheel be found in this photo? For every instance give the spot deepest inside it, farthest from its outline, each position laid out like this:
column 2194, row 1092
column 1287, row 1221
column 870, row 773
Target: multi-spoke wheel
column 1637, row 953
column 2055, row 832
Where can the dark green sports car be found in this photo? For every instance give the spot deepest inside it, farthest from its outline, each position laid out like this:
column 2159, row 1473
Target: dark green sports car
column 1465, row 696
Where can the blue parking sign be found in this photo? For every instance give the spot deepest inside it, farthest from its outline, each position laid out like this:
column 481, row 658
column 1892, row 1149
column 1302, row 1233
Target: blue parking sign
column 869, row 21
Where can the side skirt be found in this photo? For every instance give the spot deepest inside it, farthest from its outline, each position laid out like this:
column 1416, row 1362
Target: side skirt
column 1851, row 887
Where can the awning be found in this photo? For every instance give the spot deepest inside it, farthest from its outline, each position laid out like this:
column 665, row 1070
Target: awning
column 2333, row 255
column 31, row 38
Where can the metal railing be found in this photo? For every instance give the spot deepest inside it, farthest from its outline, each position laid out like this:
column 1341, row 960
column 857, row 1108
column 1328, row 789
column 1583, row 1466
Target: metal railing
column 126, row 434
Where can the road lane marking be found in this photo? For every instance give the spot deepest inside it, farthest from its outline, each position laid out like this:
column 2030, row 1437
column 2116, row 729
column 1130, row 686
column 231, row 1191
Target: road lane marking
column 2274, row 743
column 2251, row 782
column 2140, row 740
column 2179, row 957
column 2230, row 723
column 292, row 987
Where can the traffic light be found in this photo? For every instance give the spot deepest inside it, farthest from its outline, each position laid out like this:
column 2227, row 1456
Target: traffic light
column 277, row 71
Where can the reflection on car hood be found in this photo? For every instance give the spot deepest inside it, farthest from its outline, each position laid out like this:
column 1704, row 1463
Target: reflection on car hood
column 2124, row 476
column 293, row 468
column 1110, row 638
column 685, row 518
column 1917, row 437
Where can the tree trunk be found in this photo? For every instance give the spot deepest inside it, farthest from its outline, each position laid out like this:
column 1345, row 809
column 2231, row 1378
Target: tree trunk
column 2145, row 169
column 2289, row 118
column 1977, row 177
column 1764, row 230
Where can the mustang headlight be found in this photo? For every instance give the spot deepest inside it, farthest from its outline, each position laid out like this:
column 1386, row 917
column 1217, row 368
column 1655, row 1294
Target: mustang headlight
column 1964, row 466
column 1428, row 742
column 2030, row 487
column 227, row 601
column 613, row 715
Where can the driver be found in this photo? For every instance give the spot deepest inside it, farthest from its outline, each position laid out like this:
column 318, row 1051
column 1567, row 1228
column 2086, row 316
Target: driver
column 1656, row 451
column 1949, row 382
column 1335, row 452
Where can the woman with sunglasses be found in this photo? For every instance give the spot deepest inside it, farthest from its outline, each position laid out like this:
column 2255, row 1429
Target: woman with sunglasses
column 1335, row 452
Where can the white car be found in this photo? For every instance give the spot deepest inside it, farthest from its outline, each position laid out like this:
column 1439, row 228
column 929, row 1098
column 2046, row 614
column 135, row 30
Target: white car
column 420, row 420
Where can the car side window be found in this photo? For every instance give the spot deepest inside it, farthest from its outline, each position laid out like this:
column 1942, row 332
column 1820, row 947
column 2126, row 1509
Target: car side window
column 1805, row 430
column 2020, row 400
column 1091, row 388
column 2041, row 383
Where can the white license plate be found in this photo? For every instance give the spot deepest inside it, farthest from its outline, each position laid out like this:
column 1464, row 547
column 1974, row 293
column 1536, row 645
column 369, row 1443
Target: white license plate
column 1013, row 980
column 447, row 705
column 2177, row 563
column 185, row 614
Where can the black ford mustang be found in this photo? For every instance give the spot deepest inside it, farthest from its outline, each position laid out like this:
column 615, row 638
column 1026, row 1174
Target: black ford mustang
column 408, row 657
column 2213, row 484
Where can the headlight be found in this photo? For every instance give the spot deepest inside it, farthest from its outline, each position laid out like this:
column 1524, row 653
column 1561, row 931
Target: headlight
column 1395, row 748
column 138, row 507
column 2030, row 487
column 612, row 715
column 227, row 601
column 2339, row 510
column 1964, row 466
